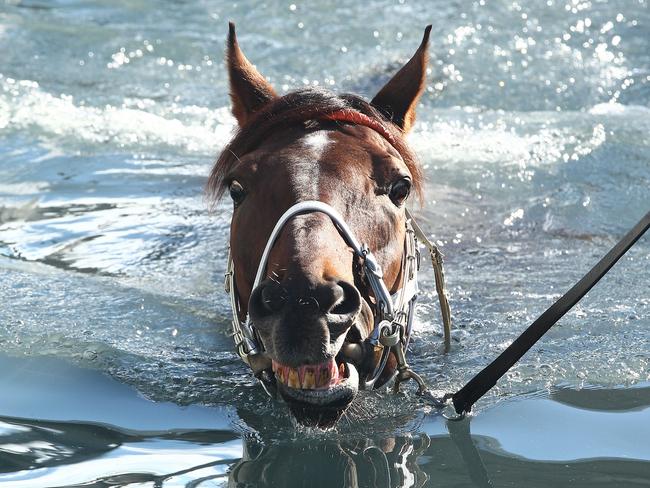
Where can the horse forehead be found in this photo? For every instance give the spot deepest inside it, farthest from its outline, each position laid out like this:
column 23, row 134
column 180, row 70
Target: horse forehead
column 303, row 166
column 329, row 150
column 316, row 143
column 320, row 156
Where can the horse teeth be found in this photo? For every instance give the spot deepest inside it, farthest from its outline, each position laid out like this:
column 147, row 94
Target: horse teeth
column 309, row 380
column 294, row 380
column 310, row 376
column 323, row 377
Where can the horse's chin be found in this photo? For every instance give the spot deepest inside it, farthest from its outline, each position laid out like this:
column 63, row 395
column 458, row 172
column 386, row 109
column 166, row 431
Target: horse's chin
column 322, row 405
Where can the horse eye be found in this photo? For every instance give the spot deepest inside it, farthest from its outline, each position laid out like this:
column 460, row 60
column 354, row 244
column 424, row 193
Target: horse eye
column 237, row 192
column 399, row 191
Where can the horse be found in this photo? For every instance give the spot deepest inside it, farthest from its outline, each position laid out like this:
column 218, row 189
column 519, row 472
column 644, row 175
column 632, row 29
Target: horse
column 319, row 234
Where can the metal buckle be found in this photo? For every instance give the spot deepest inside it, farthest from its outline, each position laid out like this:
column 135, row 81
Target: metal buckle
column 375, row 337
column 226, row 281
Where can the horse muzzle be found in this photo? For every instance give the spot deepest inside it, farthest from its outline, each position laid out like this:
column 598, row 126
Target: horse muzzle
column 302, row 324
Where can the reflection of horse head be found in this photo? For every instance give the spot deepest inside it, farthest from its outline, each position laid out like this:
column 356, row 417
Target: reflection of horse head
column 385, row 463
column 313, row 298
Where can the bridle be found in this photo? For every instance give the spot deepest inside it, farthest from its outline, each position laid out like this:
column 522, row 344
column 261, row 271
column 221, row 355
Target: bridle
column 393, row 314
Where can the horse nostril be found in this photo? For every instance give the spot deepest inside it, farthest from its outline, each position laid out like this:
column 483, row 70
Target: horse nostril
column 308, row 303
column 348, row 300
column 272, row 297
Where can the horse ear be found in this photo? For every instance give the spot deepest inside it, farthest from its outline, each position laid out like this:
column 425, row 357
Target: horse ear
column 398, row 98
column 249, row 90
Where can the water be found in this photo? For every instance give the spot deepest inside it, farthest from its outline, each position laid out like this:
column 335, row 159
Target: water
column 116, row 368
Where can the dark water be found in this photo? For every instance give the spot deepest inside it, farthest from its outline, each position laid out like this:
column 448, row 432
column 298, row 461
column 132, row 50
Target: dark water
column 116, row 367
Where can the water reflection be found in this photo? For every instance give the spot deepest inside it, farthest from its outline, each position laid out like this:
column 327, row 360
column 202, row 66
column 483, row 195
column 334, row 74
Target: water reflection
column 385, row 462
column 435, row 452
column 616, row 399
column 31, row 444
column 445, row 454
column 35, row 452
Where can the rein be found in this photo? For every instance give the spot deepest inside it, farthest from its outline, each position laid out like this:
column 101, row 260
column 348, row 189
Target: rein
column 466, row 397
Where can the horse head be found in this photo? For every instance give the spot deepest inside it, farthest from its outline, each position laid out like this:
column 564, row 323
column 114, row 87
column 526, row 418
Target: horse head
column 313, row 300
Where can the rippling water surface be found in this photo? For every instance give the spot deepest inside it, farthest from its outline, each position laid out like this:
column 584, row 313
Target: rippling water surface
column 116, row 367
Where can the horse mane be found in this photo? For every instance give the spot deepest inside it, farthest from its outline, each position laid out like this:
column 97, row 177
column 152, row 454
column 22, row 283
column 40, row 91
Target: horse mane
column 297, row 108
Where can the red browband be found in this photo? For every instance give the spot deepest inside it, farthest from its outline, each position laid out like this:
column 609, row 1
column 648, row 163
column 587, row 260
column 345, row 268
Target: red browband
column 349, row 115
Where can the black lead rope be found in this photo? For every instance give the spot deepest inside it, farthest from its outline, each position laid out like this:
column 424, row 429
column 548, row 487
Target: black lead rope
column 478, row 386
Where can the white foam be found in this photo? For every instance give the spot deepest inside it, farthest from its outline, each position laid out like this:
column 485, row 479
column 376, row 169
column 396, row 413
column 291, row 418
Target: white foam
column 614, row 108
column 515, row 141
column 24, row 105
